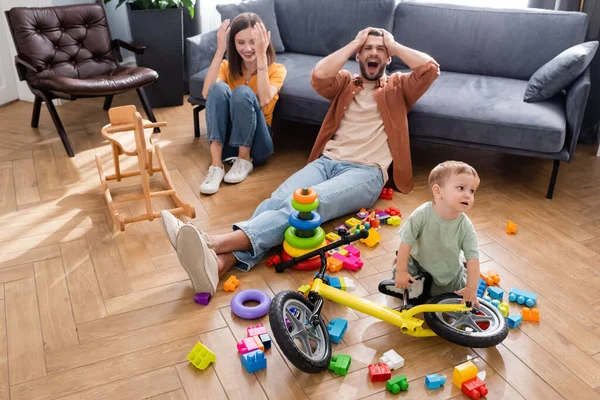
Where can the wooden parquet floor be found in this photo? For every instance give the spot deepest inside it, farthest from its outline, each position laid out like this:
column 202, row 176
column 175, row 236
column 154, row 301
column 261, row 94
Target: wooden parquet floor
column 87, row 312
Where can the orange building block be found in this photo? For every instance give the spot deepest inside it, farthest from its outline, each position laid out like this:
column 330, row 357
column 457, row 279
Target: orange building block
column 231, row 284
column 511, row 227
column 490, row 277
column 334, row 264
column 532, row 314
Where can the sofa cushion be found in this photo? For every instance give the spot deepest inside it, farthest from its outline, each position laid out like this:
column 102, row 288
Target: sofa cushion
column 560, row 72
column 320, row 27
column 265, row 9
column 488, row 110
column 487, row 41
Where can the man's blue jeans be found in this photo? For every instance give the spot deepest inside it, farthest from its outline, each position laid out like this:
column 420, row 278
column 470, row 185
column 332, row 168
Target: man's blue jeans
column 342, row 188
column 234, row 119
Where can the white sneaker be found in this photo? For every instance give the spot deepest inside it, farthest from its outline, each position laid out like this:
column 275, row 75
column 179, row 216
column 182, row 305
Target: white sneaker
column 199, row 261
column 172, row 226
column 212, row 180
column 239, row 171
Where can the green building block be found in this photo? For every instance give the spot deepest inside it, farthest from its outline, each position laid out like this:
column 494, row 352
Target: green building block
column 340, row 364
column 201, row 356
column 397, row 384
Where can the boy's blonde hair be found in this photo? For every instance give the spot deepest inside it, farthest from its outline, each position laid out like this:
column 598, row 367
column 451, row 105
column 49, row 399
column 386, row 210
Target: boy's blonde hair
column 440, row 174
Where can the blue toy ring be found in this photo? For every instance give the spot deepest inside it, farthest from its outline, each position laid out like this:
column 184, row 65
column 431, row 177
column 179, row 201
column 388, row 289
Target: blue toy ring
column 305, row 224
column 242, row 311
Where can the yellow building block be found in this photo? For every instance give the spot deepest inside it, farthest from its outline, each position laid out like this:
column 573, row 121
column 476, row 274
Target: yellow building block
column 201, row 356
column 373, row 238
column 351, row 222
column 304, row 289
column 332, row 236
column 464, row 372
column 394, row 221
column 343, row 252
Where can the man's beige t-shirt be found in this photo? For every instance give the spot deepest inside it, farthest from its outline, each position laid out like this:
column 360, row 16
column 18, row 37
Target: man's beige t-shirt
column 361, row 137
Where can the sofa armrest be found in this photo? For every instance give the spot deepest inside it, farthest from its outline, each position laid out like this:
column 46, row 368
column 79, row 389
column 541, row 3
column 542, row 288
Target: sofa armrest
column 23, row 63
column 577, row 95
column 201, row 50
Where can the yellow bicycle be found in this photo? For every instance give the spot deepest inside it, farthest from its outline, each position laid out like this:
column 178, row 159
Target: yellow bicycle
column 302, row 335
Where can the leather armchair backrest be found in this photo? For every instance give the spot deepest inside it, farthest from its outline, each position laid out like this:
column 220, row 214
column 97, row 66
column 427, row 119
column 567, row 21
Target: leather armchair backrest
column 71, row 41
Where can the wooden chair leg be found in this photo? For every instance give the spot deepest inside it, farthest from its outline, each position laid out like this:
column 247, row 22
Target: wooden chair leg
column 115, row 151
column 108, row 102
column 35, row 116
column 59, row 126
column 147, row 107
column 150, row 167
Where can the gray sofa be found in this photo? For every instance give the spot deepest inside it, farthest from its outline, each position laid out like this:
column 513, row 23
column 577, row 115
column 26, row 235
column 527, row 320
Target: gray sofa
column 486, row 58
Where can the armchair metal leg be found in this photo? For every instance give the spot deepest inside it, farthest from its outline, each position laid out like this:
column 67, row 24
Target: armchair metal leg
column 35, row 116
column 59, row 126
column 108, row 103
column 553, row 179
column 197, row 120
column 147, row 107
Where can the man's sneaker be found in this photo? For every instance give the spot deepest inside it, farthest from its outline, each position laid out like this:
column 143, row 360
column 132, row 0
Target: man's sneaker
column 198, row 260
column 212, row 180
column 172, row 226
column 239, row 171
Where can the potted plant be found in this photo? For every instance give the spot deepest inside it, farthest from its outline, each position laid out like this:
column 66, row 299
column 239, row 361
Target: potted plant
column 159, row 25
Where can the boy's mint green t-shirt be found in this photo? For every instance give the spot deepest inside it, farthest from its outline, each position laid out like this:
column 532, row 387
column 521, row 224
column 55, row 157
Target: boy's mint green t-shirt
column 438, row 245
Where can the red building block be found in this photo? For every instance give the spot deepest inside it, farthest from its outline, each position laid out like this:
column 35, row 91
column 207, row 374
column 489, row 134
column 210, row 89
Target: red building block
column 393, row 211
column 273, row 260
column 386, row 194
column 474, row 388
column 379, row 372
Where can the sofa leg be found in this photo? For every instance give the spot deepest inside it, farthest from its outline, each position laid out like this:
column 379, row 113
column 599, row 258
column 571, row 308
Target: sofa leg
column 59, row 126
column 108, row 102
column 553, row 179
column 197, row 120
column 147, row 107
column 35, row 116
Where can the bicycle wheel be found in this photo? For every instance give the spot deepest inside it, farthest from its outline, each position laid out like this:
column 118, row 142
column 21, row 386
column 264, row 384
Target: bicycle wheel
column 306, row 346
column 486, row 328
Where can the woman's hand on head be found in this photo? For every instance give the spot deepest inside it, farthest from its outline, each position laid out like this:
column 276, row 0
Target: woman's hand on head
column 222, row 36
column 262, row 38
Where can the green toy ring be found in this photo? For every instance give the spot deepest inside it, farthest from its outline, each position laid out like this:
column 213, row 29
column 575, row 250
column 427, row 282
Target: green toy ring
column 304, row 243
column 305, row 207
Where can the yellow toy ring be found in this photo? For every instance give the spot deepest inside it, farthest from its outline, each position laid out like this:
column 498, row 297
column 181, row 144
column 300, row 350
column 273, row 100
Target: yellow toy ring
column 294, row 252
column 305, row 198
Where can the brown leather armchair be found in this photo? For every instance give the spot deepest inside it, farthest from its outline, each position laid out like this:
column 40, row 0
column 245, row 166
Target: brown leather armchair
column 66, row 52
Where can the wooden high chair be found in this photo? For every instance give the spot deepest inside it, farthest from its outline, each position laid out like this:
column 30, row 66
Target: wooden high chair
column 132, row 136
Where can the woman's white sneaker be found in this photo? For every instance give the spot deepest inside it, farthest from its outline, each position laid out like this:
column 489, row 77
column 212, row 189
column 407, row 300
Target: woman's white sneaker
column 212, row 180
column 239, row 171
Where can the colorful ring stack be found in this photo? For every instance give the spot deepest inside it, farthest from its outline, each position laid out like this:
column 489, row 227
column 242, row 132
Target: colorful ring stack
column 305, row 233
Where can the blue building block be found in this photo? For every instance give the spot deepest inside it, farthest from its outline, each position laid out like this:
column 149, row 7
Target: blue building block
column 496, row 303
column 481, row 288
column 495, row 293
column 487, row 298
column 514, row 320
column 254, row 361
column 434, row 381
column 337, row 328
column 334, row 281
column 522, row 297
column 266, row 340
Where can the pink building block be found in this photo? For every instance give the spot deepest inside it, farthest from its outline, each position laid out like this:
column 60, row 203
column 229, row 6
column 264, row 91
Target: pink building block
column 339, row 257
column 256, row 330
column 247, row 345
column 352, row 250
column 353, row 263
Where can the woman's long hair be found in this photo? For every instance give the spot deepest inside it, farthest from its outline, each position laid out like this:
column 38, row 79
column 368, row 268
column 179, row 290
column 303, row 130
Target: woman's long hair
column 241, row 22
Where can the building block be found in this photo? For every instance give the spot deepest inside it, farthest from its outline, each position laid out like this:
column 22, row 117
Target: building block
column 352, row 250
column 504, row 309
column 256, row 330
column 266, row 340
column 373, row 238
column 201, row 356
column 474, row 388
column 351, row 222
column 514, row 320
column 342, row 283
column 394, row 221
column 434, row 381
column 397, row 384
column 304, row 289
column 386, row 194
column 496, row 293
column 382, row 215
column 343, row 252
column 340, row 364
column 379, row 372
column 522, row 297
column 352, row 263
column 530, row 314
column 334, row 264
column 481, row 288
column 392, row 359
column 254, row 361
column 332, row 236
column 273, row 260
column 490, row 277
column 496, row 303
column 362, row 214
column 347, row 284
column 511, row 228
column 202, row 298
column 335, row 282
column 231, row 284
column 393, row 211
column 336, row 328
column 247, row 345
column 259, row 343
column 464, row 372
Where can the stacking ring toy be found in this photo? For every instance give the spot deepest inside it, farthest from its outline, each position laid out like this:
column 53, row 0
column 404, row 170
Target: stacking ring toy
column 305, row 198
column 304, row 243
column 304, row 224
column 242, row 311
column 306, row 265
column 294, row 252
column 305, row 207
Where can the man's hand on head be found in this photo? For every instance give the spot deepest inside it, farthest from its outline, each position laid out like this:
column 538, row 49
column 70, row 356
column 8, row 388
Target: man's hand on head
column 388, row 40
column 361, row 38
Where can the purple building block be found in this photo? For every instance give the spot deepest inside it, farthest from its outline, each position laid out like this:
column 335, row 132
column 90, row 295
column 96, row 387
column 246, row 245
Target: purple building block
column 202, row 298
